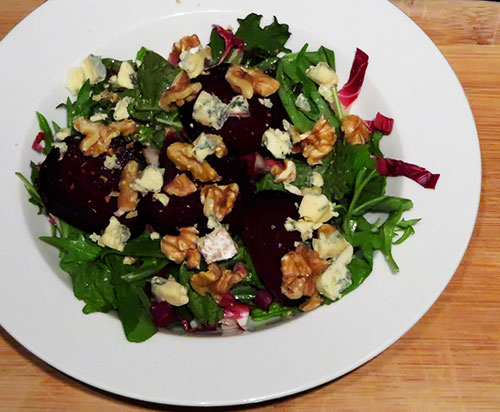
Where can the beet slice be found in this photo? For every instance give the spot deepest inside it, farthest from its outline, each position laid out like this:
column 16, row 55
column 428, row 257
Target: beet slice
column 76, row 188
column 267, row 239
column 241, row 135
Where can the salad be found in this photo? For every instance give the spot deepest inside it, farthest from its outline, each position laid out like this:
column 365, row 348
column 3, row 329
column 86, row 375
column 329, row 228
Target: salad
column 220, row 187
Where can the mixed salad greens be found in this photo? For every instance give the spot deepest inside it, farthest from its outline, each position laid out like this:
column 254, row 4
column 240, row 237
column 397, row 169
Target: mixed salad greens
column 135, row 273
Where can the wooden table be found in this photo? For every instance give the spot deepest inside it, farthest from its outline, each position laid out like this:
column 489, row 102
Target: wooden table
column 449, row 361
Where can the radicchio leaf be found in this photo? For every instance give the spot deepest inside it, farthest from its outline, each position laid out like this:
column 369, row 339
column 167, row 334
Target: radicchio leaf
column 40, row 137
column 231, row 42
column 258, row 165
column 351, row 89
column 381, row 123
column 393, row 167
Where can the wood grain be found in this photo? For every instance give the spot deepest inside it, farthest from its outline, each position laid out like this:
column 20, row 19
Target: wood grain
column 450, row 361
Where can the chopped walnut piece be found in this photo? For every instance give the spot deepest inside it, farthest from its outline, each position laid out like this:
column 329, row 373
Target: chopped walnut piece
column 186, row 43
column 182, row 155
column 286, row 172
column 300, row 269
column 319, row 143
column 311, row 303
column 247, row 81
column 356, row 131
column 98, row 136
column 182, row 247
column 128, row 199
column 181, row 186
column 217, row 281
column 218, row 201
column 106, row 95
column 180, row 92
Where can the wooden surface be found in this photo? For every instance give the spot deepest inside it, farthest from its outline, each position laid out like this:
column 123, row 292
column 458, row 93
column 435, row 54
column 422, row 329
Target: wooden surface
column 450, row 361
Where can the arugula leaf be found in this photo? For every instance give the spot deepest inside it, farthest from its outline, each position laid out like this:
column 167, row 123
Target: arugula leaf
column 217, row 45
column 149, row 267
column 154, row 76
column 261, row 43
column 244, row 293
column 141, row 53
column 276, row 310
column 82, row 106
column 132, row 303
column 204, row 308
column 144, row 246
column 80, row 250
column 34, row 196
column 45, row 128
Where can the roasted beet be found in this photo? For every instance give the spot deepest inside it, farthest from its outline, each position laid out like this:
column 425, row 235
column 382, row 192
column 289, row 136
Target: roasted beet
column 267, row 239
column 241, row 135
column 76, row 188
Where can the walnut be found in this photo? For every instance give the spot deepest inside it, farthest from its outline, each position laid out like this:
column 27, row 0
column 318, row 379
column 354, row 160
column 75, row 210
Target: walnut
column 98, row 136
column 217, row 281
column 182, row 247
column 186, row 43
column 128, row 199
column 182, row 155
column 180, row 92
column 181, row 186
column 218, row 201
column 300, row 269
column 355, row 130
column 107, row 95
column 311, row 303
column 284, row 172
column 319, row 143
column 247, row 81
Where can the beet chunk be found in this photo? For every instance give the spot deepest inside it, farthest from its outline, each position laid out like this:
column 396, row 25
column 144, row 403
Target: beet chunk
column 241, row 135
column 267, row 239
column 76, row 188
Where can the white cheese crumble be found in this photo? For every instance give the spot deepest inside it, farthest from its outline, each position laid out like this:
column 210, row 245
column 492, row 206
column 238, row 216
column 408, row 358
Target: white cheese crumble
column 91, row 69
column 62, row 134
column 238, row 106
column 292, row 189
column 115, row 235
column 193, row 61
column 169, row 290
column 322, row 74
column 289, row 174
column 128, row 260
column 266, row 103
column 154, row 236
column 277, row 142
column 217, row 245
column 314, row 210
column 210, row 111
column 336, row 278
column 126, row 74
column 205, row 145
column 162, row 198
column 151, row 180
column 302, row 103
column 63, row 147
column 111, row 162
column 121, row 109
column 98, row 117
column 296, row 136
column 330, row 247
column 316, row 180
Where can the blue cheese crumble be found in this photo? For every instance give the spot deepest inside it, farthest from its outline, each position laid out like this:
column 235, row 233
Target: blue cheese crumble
column 277, row 142
column 210, row 111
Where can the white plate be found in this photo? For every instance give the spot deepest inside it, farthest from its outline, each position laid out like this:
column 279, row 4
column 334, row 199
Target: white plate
column 407, row 79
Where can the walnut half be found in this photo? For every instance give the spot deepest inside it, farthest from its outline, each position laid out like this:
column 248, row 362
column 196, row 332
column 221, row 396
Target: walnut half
column 356, row 131
column 128, row 199
column 180, row 92
column 98, row 136
column 300, row 269
column 217, row 281
column 247, row 81
column 182, row 247
column 180, row 186
column 319, row 142
column 183, row 156
column 218, row 201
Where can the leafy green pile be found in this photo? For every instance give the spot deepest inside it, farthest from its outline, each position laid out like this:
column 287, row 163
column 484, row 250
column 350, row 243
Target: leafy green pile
column 100, row 276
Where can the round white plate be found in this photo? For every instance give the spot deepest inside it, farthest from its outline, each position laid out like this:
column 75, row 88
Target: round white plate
column 407, row 79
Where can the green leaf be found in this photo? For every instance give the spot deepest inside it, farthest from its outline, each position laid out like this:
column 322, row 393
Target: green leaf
column 261, row 43
column 148, row 268
column 244, row 293
column 217, row 46
column 132, row 304
column 155, row 75
column 276, row 310
column 77, row 250
column 82, row 106
column 34, row 196
column 144, row 246
column 204, row 308
column 45, row 128
column 141, row 53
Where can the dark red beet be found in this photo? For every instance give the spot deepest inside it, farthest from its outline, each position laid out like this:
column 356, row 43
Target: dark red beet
column 241, row 135
column 163, row 314
column 267, row 239
column 76, row 188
